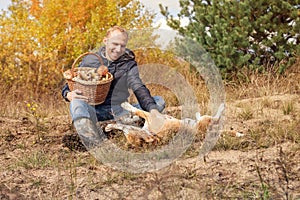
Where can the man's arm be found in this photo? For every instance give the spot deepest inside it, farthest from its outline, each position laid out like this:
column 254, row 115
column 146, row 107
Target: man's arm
column 145, row 99
column 70, row 95
column 141, row 92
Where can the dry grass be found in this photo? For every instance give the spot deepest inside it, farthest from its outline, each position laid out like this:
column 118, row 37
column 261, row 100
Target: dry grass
column 264, row 164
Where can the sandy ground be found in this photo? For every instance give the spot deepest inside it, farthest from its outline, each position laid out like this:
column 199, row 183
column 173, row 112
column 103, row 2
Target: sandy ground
column 34, row 164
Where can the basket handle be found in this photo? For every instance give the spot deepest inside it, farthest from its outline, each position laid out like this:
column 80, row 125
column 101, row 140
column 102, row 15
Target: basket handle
column 84, row 54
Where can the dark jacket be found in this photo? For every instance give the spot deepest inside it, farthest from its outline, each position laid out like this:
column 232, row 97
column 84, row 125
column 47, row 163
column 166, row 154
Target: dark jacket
column 126, row 76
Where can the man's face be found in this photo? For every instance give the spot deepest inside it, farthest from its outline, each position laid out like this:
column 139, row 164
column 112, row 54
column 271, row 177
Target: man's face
column 115, row 45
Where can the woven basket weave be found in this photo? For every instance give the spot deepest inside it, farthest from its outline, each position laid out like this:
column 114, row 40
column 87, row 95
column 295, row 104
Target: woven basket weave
column 95, row 91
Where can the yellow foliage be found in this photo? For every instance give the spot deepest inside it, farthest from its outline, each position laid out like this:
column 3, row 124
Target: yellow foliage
column 39, row 39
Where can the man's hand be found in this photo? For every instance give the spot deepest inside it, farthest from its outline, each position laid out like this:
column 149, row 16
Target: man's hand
column 157, row 121
column 76, row 94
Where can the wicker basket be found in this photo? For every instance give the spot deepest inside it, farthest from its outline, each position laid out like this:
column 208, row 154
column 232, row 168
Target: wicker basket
column 95, row 91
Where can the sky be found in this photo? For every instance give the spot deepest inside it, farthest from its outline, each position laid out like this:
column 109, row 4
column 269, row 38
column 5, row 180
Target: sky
column 4, row 4
column 173, row 8
column 173, row 5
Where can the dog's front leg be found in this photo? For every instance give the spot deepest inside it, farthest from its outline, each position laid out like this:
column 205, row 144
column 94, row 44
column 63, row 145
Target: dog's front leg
column 141, row 113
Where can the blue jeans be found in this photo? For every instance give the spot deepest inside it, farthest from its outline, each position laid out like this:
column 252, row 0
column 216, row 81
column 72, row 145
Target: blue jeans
column 80, row 109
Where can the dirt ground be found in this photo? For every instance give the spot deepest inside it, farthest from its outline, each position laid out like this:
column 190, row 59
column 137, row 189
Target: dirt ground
column 263, row 164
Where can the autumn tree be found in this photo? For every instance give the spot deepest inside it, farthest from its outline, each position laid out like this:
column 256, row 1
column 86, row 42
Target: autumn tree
column 39, row 38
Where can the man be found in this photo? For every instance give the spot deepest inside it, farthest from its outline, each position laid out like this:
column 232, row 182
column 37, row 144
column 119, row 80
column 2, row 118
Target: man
column 122, row 65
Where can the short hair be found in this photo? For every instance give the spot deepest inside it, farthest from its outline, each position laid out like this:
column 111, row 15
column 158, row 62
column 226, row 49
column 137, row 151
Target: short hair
column 114, row 28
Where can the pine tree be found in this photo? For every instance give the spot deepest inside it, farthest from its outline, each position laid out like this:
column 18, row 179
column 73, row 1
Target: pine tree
column 242, row 33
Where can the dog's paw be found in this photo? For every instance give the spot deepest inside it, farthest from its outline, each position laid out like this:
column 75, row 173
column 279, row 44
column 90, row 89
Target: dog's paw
column 109, row 127
column 127, row 106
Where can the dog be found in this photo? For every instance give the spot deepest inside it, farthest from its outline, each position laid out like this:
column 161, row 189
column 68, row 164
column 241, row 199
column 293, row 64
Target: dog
column 157, row 125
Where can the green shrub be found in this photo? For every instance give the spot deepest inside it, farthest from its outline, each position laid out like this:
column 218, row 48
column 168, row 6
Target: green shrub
column 256, row 34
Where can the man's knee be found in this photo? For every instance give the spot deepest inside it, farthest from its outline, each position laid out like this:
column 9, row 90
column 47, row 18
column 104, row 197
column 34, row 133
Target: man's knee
column 80, row 109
